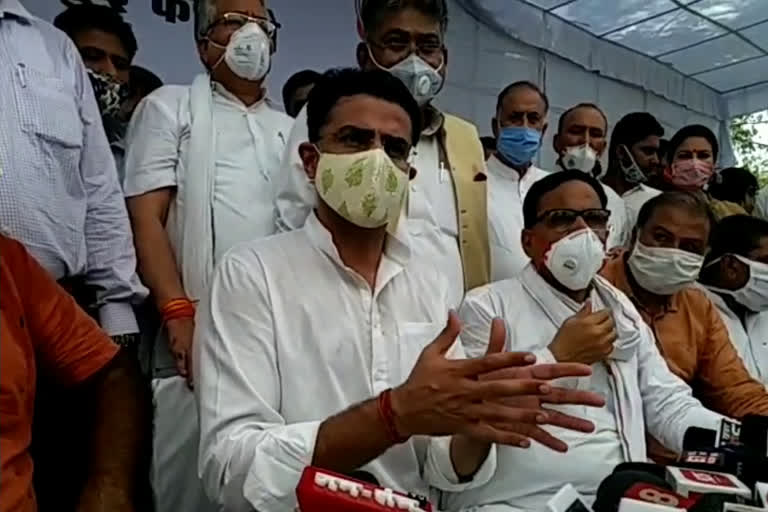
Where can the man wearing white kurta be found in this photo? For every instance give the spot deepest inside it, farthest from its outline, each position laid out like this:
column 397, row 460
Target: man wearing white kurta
column 199, row 168
column 634, row 160
column 735, row 276
column 520, row 122
column 315, row 346
column 558, row 297
column 447, row 213
column 580, row 142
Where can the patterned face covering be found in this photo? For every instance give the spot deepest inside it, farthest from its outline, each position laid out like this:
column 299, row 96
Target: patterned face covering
column 109, row 93
column 365, row 188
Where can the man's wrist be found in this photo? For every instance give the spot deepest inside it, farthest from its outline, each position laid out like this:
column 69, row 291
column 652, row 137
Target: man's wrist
column 398, row 408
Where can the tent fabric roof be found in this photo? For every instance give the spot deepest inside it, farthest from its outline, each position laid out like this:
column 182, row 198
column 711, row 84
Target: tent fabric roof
column 709, row 53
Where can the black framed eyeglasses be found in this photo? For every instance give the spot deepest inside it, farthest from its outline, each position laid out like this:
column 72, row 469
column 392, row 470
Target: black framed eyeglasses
column 564, row 219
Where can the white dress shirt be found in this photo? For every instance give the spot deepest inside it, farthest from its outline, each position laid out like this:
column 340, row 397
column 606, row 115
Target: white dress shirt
column 59, row 191
column 634, row 199
column 432, row 217
column 642, row 395
column 291, row 336
column 506, row 193
column 750, row 337
column 249, row 144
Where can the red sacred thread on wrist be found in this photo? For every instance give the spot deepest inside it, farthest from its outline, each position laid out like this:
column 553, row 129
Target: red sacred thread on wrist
column 387, row 416
column 175, row 309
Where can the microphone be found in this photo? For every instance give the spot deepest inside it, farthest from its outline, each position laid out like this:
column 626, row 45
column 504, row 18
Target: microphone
column 735, row 448
column 568, row 499
column 617, row 486
column 320, row 491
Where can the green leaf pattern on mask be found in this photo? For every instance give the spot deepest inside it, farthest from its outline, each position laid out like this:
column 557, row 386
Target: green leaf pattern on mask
column 392, row 182
column 370, row 203
column 343, row 211
column 354, row 176
column 327, row 180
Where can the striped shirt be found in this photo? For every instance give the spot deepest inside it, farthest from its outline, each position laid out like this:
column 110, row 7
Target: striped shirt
column 59, row 191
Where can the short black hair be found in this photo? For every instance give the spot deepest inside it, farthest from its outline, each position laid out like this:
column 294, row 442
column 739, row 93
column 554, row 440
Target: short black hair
column 631, row 129
column 372, row 12
column 561, row 121
column 522, row 84
column 79, row 18
column 488, row 142
column 692, row 130
column 142, row 81
column 695, row 203
column 733, row 184
column 298, row 80
column 737, row 234
column 551, row 182
column 340, row 83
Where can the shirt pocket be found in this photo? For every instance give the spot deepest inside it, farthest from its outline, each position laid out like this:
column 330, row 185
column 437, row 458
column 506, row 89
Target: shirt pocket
column 414, row 337
column 47, row 108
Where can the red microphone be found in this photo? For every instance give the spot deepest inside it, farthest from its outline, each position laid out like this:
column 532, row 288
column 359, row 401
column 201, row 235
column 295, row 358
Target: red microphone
column 320, row 491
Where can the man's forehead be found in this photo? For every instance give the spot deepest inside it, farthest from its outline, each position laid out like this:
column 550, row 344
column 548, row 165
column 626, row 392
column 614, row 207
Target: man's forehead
column 370, row 113
column 523, row 99
column 573, row 194
column 680, row 220
column 247, row 7
column 584, row 116
column 407, row 21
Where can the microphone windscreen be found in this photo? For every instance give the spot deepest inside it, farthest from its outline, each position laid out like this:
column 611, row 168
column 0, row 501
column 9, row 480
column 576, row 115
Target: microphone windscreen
column 699, row 439
column 712, row 502
column 616, row 485
column 648, row 467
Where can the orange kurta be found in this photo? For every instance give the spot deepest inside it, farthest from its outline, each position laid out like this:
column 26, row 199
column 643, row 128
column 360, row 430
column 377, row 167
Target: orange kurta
column 40, row 326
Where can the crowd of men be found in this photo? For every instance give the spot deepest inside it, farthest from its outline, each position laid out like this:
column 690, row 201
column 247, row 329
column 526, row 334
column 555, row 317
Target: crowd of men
column 203, row 295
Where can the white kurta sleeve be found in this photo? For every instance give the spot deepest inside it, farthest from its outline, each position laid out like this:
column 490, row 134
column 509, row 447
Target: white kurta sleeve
column 439, row 471
column 668, row 403
column 294, row 194
column 152, row 143
column 249, row 457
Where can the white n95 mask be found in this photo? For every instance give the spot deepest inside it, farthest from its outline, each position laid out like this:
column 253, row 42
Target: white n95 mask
column 366, row 188
column 580, row 158
column 754, row 294
column 419, row 77
column 576, row 259
column 662, row 270
column 248, row 53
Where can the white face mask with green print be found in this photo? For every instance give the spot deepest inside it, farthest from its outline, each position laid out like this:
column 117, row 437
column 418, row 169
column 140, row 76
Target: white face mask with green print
column 365, row 188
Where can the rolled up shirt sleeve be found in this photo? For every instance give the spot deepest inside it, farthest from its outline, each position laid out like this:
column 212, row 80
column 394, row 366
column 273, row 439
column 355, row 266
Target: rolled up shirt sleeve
column 111, row 268
column 249, row 457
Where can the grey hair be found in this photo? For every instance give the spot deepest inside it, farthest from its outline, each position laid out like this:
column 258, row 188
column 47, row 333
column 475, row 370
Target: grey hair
column 205, row 14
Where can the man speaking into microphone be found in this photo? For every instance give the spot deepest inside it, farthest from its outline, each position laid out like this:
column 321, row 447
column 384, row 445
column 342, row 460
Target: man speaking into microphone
column 561, row 310
column 332, row 345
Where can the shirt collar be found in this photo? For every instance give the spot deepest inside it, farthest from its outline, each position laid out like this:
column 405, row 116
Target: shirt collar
column 617, row 271
column 397, row 246
column 14, row 8
column 227, row 95
column 436, row 120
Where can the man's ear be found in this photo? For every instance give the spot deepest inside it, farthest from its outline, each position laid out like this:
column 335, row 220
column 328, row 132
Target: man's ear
column 526, row 240
column 445, row 59
column 557, row 144
column 310, row 158
column 362, row 56
column 495, row 128
column 202, row 51
column 544, row 130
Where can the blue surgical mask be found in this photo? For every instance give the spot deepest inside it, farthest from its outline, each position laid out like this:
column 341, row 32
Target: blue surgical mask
column 518, row 144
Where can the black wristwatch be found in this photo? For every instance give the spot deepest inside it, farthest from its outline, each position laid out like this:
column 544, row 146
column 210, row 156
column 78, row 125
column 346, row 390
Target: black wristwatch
column 127, row 340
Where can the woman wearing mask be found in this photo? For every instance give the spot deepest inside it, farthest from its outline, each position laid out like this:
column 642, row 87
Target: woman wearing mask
column 692, row 155
column 736, row 277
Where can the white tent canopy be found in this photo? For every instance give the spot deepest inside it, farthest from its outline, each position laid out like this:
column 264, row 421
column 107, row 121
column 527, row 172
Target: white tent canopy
column 709, row 55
